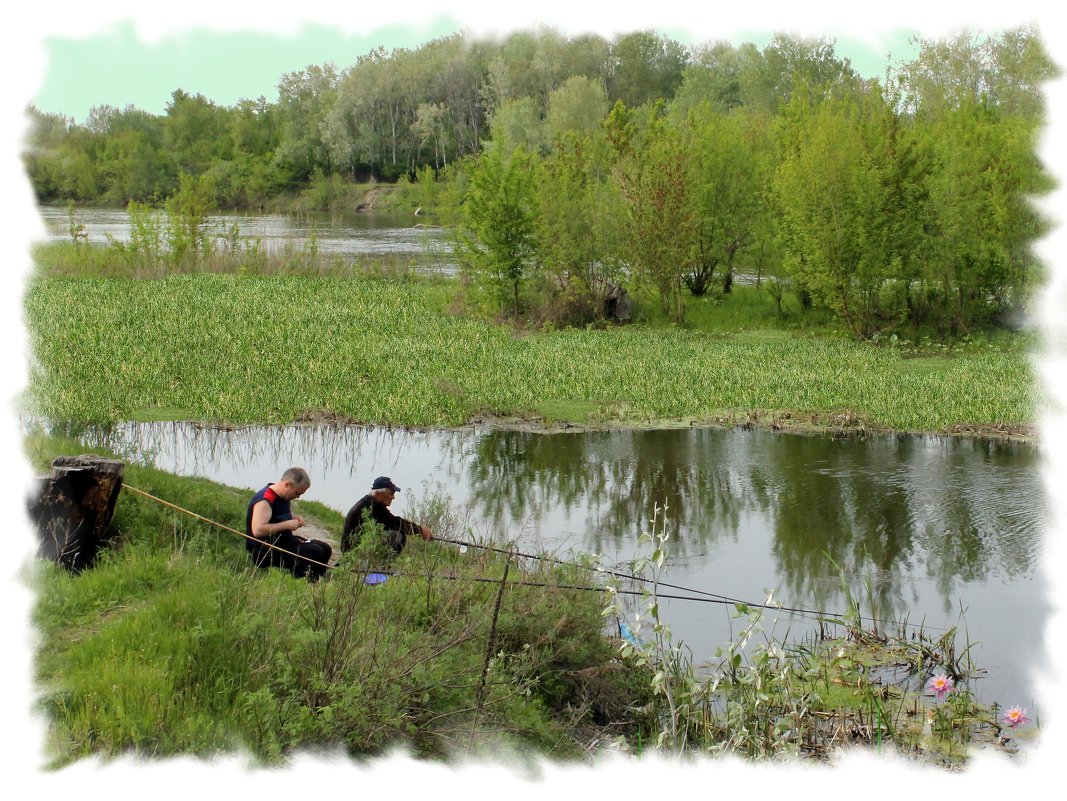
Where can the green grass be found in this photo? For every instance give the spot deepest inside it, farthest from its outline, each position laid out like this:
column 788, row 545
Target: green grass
column 746, row 308
column 173, row 644
column 278, row 348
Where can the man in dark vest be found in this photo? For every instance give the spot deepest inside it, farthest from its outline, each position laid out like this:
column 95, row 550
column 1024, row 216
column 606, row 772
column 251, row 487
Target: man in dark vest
column 271, row 520
column 374, row 506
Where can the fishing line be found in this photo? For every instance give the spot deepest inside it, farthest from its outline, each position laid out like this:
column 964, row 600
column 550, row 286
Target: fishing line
column 725, row 599
column 706, row 597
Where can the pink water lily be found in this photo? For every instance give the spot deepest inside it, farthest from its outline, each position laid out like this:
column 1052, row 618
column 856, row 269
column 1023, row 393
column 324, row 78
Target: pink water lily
column 940, row 684
column 1015, row 717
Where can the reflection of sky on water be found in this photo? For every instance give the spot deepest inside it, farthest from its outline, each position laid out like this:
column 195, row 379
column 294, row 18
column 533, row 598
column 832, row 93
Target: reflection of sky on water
column 921, row 527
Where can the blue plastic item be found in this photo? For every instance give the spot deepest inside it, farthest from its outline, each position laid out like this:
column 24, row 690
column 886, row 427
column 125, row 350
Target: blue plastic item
column 628, row 635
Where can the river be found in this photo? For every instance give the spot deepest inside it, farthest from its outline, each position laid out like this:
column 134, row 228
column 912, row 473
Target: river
column 924, row 529
column 398, row 239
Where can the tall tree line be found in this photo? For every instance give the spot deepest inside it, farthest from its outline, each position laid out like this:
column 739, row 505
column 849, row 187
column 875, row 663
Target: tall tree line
column 383, row 117
column 900, row 205
column 577, row 163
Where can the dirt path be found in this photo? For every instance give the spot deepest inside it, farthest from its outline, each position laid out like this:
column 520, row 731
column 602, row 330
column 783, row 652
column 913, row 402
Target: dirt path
column 314, row 530
column 370, row 199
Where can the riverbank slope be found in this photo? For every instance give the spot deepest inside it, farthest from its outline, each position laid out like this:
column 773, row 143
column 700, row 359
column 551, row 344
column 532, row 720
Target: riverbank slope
column 174, row 644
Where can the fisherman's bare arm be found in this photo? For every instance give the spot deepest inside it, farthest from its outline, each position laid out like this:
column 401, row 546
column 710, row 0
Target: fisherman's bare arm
column 262, row 528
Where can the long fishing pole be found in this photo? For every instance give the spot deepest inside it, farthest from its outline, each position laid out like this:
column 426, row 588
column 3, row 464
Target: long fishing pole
column 724, row 599
column 525, row 583
column 708, row 597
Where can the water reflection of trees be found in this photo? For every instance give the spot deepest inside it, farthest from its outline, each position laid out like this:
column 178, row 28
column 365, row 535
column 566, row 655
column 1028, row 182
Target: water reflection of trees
column 883, row 512
column 618, row 477
column 842, row 512
column 889, row 512
column 198, row 449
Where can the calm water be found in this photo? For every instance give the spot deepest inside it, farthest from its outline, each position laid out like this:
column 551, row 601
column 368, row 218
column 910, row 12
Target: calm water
column 350, row 235
column 922, row 527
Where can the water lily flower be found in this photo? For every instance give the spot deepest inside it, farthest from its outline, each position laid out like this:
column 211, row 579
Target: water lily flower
column 1015, row 717
column 941, row 685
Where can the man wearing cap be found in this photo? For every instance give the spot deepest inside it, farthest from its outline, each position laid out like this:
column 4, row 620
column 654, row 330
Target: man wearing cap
column 375, row 506
column 270, row 522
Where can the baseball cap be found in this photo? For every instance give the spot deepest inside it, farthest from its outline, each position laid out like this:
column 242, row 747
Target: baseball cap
column 384, row 482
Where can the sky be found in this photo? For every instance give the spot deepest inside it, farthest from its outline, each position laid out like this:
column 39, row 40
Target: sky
column 67, row 57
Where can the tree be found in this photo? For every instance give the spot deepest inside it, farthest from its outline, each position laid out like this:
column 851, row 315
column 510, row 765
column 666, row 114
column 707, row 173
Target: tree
column 645, row 67
column 305, row 100
column 195, row 132
column 573, row 226
column 131, row 162
column 496, row 239
column 831, row 193
column 517, row 124
column 651, row 168
column 716, row 75
column 980, row 222
column 429, row 127
column 254, row 127
column 578, row 106
column 728, row 159
column 790, row 62
column 1006, row 71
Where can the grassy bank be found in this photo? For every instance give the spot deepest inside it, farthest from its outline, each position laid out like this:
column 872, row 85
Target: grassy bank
column 281, row 348
column 174, row 644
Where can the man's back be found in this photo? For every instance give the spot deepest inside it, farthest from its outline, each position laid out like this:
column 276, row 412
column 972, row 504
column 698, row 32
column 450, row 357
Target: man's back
column 370, row 508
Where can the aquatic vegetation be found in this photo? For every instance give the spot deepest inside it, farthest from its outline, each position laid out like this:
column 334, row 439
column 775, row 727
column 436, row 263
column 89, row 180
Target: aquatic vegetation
column 1015, row 717
column 940, row 685
column 110, row 349
column 772, row 698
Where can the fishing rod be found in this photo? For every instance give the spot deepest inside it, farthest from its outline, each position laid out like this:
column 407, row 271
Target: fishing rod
column 387, row 572
column 707, row 597
column 723, row 599
column 525, row 583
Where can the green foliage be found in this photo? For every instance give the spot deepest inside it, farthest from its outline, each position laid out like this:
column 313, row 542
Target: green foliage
column 517, row 124
column 575, row 229
column 968, row 68
column 772, row 699
column 648, row 67
column 831, row 189
column 653, row 173
column 577, row 107
column 423, row 195
column 328, row 192
column 729, row 168
column 305, row 98
column 902, row 208
column 496, row 240
column 977, row 265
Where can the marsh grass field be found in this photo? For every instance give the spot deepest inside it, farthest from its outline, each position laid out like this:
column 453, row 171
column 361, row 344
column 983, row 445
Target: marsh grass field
column 237, row 348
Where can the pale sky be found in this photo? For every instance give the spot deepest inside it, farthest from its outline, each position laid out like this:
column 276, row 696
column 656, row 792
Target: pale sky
column 69, row 56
